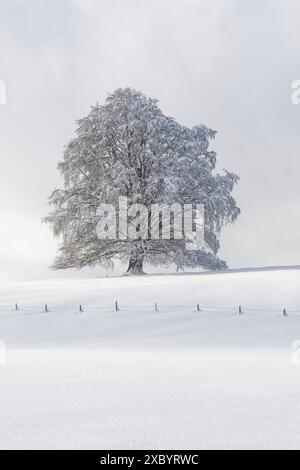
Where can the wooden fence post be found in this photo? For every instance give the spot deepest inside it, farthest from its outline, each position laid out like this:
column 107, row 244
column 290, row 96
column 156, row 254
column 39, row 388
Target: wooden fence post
column 285, row 313
column 116, row 306
column 46, row 308
column 198, row 308
column 240, row 310
column 80, row 309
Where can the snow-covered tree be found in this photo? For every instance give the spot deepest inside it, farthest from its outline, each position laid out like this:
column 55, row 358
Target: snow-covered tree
column 128, row 147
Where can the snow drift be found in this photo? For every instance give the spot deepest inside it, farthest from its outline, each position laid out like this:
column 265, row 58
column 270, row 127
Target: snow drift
column 140, row 378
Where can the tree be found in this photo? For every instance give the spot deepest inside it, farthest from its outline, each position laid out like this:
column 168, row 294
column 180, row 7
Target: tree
column 128, row 147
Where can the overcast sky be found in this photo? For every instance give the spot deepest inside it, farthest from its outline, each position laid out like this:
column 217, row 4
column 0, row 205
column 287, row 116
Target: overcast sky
column 226, row 63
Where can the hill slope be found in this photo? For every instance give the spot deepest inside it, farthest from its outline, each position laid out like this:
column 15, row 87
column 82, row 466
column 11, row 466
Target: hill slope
column 136, row 378
column 262, row 295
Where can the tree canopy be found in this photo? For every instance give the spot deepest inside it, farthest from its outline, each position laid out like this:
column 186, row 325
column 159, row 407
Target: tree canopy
column 128, row 147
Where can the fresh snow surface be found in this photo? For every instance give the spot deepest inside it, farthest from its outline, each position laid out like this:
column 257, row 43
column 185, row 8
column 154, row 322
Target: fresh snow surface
column 140, row 379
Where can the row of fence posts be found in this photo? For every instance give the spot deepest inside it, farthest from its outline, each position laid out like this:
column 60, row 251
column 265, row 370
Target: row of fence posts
column 156, row 309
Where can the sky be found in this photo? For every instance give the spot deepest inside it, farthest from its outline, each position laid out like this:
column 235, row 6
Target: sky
column 228, row 64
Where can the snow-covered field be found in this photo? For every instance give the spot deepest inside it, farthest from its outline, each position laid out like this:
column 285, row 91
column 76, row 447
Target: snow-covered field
column 140, row 379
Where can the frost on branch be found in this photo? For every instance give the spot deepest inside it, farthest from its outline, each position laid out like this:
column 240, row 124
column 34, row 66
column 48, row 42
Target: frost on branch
column 128, row 147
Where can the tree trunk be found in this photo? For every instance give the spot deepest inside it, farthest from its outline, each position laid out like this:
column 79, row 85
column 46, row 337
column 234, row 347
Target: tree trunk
column 135, row 266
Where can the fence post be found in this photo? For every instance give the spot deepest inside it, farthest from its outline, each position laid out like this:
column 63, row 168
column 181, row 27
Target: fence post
column 46, row 308
column 285, row 313
column 80, row 309
column 16, row 307
column 116, row 306
column 198, row 308
column 156, row 307
column 240, row 310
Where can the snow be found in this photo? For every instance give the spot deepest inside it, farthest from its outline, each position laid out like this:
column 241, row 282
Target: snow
column 136, row 378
